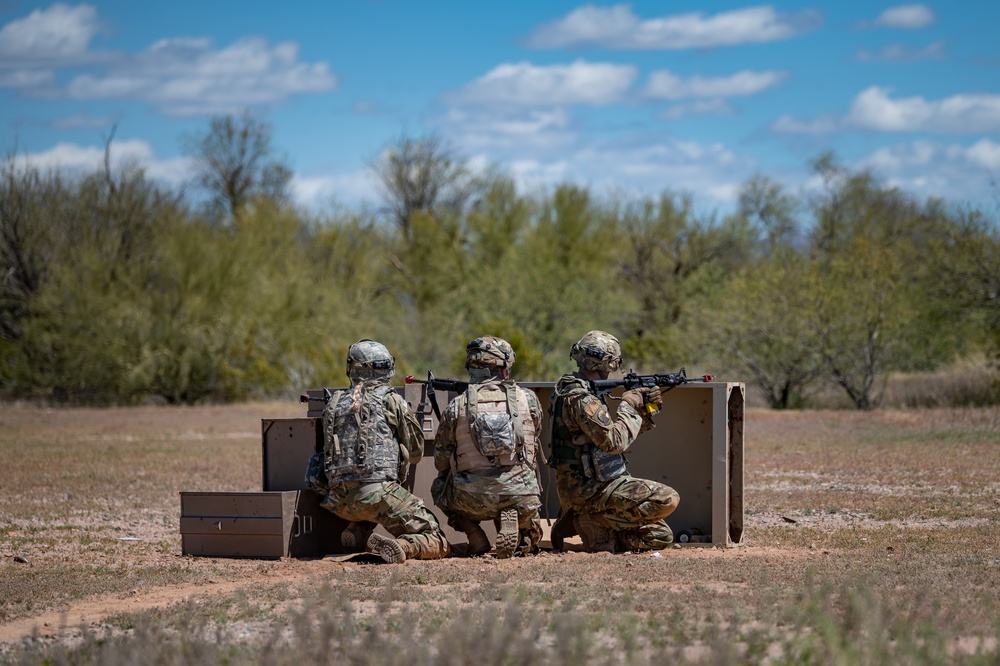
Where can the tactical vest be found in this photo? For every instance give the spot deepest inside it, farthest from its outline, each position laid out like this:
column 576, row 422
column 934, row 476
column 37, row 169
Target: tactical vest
column 494, row 427
column 571, row 449
column 357, row 442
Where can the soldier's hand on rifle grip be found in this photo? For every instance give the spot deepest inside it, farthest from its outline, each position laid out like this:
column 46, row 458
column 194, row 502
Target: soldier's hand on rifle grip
column 635, row 398
column 653, row 400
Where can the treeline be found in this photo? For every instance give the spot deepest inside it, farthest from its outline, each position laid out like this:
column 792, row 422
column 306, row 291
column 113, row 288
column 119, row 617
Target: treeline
column 116, row 290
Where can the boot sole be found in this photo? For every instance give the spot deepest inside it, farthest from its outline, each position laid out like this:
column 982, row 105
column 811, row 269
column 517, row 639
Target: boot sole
column 386, row 548
column 348, row 539
column 507, row 537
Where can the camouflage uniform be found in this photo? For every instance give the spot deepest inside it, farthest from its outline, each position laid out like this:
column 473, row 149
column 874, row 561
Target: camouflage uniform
column 370, row 437
column 610, row 509
column 479, row 478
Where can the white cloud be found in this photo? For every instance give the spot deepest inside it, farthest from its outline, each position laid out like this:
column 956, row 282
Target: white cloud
column 74, row 157
column 71, row 157
column 26, row 78
column 787, row 124
column 618, row 28
column 646, row 167
column 704, row 107
column 500, row 129
column 906, row 17
column 984, row 153
column 184, row 77
column 873, row 109
column 524, row 84
column 664, row 84
column 354, row 189
column 311, row 192
column 59, row 33
column 180, row 76
column 953, row 172
column 900, row 53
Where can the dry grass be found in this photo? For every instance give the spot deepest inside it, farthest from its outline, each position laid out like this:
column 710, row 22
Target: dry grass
column 870, row 537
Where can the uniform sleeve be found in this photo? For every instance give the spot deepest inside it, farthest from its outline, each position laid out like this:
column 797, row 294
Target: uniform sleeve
column 403, row 422
column 444, row 441
column 535, row 408
column 610, row 435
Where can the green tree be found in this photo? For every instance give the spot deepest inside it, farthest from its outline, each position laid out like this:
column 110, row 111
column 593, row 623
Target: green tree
column 967, row 266
column 567, row 269
column 235, row 162
column 428, row 190
column 499, row 223
column 28, row 201
column 873, row 313
column 671, row 260
column 761, row 319
column 422, row 175
column 78, row 343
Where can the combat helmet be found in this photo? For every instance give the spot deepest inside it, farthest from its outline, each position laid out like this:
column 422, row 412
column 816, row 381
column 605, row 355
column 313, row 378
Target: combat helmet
column 367, row 359
column 489, row 352
column 597, row 351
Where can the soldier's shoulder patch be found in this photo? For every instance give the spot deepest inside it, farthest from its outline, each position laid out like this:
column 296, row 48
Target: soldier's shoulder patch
column 596, row 411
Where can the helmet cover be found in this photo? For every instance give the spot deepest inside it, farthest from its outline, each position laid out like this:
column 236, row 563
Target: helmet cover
column 597, row 351
column 368, row 359
column 489, row 352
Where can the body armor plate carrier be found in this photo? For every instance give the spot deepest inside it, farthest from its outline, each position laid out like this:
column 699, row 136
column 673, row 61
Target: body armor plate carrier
column 571, row 450
column 358, row 444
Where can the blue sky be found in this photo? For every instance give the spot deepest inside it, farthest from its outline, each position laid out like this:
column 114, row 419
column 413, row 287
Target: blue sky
column 636, row 98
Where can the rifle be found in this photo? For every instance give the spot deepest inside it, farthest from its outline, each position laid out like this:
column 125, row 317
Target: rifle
column 327, row 396
column 631, row 381
column 432, row 382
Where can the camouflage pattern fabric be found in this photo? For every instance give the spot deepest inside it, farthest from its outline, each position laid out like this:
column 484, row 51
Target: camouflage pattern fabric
column 387, row 502
column 358, row 441
column 489, row 352
column 482, row 493
column 597, row 351
column 466, row 495
column 396, row 509
column 634, row 509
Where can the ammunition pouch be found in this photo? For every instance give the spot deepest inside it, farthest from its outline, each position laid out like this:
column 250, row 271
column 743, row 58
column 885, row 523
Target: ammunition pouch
column 602, row 466
column 494, row 434
column 316, row 474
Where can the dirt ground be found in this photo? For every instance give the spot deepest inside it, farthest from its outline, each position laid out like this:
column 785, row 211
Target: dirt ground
column 908, row 501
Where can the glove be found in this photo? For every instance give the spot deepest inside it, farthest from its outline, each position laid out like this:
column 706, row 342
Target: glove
column 654, row 396
column 641, row 397
column 634, row 398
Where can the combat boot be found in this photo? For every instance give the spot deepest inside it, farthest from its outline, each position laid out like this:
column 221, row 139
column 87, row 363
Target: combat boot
column 562, row 529
column 387, row 548
column 479, row 543
column 355, row 535
column 508, row 535
column 626, row 541
column 596, row 537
